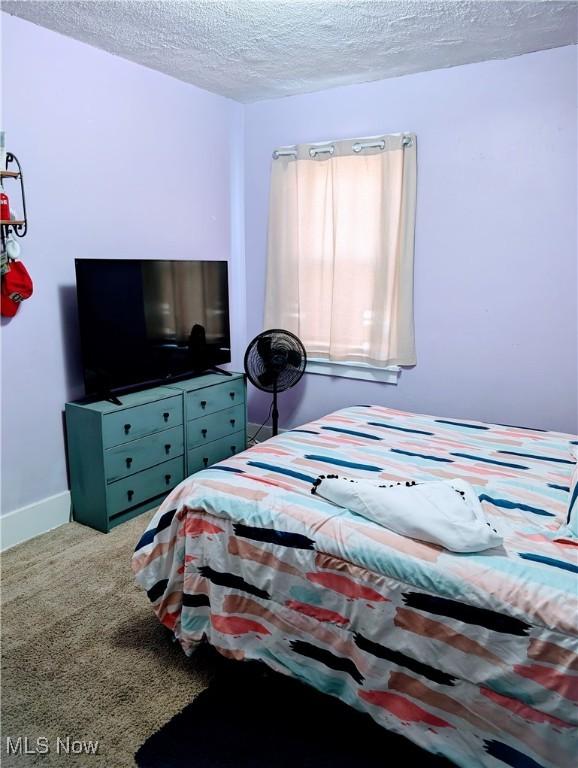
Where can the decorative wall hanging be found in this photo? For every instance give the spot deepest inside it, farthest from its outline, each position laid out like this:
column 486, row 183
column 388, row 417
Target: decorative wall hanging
column 16, row 282
column 8, row 221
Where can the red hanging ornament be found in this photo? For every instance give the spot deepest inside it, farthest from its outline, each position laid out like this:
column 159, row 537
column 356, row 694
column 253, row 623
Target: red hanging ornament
column 4, row 206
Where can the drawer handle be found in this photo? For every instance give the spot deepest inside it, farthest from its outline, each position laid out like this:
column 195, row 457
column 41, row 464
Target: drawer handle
column 234, row 448
column 206, row 461
column 128, row 462
column 232, row 422
column 166, row 415
column 130, row 494
column 167, row 448
column 168, row 479
column 204, row 432
column 203, row 404
column 127, row 428
column 232, row 395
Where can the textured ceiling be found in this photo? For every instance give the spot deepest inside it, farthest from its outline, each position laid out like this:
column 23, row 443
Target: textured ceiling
column 257, row 49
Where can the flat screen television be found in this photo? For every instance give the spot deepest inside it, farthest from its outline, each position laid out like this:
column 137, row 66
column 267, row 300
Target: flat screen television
column 136, row 318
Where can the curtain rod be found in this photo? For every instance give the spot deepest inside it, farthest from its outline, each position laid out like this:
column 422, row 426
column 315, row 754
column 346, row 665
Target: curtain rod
column 357, row 147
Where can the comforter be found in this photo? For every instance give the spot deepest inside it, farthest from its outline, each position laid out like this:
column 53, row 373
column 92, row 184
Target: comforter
column 471, row 656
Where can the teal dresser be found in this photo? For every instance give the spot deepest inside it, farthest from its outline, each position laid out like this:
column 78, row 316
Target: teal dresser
column 124, row 459
column 215, row 419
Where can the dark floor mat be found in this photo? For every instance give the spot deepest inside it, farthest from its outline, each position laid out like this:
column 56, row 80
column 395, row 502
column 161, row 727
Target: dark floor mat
column 250, row 717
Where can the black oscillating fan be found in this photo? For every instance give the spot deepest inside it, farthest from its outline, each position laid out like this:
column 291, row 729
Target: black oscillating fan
column 275, row 361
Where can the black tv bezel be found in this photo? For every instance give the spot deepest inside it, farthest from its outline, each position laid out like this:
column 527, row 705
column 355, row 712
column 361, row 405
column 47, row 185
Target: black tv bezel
column 90, row 393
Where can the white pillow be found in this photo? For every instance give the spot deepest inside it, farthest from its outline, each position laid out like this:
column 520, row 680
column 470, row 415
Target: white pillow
column 572, row 514
column 443, row 512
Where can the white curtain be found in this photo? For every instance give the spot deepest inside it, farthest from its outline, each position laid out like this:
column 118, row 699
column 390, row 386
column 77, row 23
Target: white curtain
column 340, row 248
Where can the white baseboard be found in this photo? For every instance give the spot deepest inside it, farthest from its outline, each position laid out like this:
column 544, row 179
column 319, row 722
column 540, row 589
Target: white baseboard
column 30, row 521
column 264, row 433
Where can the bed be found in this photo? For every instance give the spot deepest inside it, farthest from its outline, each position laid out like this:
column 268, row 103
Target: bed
column 471, row 656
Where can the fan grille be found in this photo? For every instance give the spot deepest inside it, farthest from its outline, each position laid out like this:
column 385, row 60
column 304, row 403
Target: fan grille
column 275, row 360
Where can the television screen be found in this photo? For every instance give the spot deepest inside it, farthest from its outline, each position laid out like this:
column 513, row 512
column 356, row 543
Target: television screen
column 136, row 318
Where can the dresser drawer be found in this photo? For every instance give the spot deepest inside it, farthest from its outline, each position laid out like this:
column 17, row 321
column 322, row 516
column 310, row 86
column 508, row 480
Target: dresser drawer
column 145, row 485
column 120, row 427
column 203, row 457
column 215, row 426
column 215, row 398
column 128, row 458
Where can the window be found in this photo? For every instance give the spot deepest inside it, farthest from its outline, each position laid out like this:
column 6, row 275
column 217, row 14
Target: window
column 340, row 249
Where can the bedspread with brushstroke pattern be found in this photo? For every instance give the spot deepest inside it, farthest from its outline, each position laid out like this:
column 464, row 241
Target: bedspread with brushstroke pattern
column 472, row 656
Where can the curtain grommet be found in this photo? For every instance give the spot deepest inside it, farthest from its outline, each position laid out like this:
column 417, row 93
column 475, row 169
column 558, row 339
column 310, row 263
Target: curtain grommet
column 314, row 151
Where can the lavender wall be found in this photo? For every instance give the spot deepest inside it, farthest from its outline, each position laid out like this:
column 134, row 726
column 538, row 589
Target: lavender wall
column 119, row 161
column 496, row 252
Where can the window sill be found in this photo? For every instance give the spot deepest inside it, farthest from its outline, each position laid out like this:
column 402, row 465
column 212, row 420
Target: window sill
column 359, row 371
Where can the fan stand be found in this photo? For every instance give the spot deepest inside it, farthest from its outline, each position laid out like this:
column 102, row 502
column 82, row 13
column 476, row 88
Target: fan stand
column 275, row 412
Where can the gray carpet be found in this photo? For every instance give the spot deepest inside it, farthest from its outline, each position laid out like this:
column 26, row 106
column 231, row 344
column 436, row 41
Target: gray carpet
column 82, row 653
